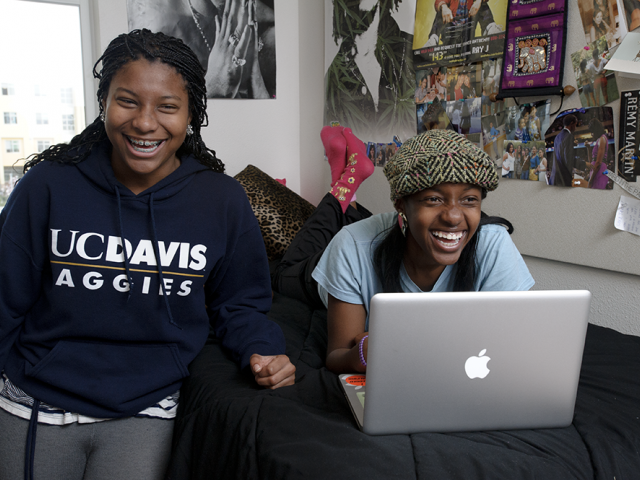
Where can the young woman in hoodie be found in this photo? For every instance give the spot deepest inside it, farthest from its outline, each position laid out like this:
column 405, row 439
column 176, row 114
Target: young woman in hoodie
column 119, row 252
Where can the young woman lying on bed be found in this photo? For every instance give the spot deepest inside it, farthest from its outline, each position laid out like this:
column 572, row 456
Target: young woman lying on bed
column 437, row 240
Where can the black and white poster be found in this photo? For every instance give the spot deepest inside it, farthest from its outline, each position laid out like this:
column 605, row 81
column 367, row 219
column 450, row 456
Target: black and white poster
column 629, row 136
column 233, row 39
column 369, row 74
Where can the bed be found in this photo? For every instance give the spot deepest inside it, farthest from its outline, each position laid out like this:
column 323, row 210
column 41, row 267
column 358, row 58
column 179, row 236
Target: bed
column 228, row 427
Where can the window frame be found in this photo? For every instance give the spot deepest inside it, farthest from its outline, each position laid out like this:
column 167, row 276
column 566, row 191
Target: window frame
column 13, row 142
column 10, row 118
column 87, row 46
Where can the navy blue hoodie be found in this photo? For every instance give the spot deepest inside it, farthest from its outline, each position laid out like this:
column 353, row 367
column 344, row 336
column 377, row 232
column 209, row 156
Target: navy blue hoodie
column 84, row 329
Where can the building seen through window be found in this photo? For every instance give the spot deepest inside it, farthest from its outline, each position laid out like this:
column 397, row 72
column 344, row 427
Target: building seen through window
column 42, row 103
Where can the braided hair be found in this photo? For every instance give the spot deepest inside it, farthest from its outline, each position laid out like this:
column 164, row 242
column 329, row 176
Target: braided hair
column 126, row 48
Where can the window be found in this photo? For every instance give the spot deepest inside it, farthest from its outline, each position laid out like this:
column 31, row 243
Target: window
column 11, row 174
column 67, row 122
column 10, row 118
column 66, row 95
column 12, row 146
column 49, row 74
column 42, row 145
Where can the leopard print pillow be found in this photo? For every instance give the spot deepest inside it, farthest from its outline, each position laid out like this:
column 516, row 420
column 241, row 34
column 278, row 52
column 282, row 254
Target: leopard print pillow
column 280, row 211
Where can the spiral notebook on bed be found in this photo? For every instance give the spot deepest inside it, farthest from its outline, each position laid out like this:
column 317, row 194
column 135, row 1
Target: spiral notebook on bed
column 469, row 361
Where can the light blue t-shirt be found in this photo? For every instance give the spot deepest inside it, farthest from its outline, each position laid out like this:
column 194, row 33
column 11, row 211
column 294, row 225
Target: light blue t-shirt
column 346, row 268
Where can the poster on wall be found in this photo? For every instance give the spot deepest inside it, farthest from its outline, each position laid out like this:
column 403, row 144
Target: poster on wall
column 240, row 61
column 369, row 74
column 580, row 147
column 451, row 32
column 629, row 136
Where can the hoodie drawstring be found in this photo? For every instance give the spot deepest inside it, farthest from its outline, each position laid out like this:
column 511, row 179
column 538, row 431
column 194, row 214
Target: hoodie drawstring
column 30, row 448
column 157, row 250
column 124, row 246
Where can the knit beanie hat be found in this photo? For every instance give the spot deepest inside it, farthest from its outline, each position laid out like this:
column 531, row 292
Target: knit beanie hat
column 435, row 157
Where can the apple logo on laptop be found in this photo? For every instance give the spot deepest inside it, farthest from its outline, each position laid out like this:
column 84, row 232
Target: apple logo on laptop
column 476, row 367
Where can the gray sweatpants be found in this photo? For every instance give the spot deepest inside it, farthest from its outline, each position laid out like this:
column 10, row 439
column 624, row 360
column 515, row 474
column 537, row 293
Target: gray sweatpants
column 125, row 448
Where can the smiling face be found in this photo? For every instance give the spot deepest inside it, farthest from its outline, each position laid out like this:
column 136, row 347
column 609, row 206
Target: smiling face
column 146, row 117
column 521, row 123
column 598, row 18
column 441, row 221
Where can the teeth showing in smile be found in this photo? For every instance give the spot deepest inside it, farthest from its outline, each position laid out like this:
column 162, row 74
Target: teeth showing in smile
column 145, row 146
column 449, row 235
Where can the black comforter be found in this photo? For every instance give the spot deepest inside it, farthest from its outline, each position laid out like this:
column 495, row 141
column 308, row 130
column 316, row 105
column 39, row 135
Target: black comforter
column 227, row 427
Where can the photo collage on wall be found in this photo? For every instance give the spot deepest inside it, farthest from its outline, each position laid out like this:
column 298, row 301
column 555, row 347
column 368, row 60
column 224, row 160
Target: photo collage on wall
column 605, row 24
column 458, row 98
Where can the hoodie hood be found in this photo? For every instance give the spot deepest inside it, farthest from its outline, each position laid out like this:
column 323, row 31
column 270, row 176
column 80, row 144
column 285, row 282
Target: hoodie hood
column 100, row 174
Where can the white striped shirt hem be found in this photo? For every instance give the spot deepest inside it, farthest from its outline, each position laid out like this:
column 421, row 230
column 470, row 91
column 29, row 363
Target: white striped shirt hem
column 16, row 402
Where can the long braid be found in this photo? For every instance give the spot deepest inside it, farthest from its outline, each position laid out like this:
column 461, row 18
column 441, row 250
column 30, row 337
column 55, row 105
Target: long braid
column 122, row 50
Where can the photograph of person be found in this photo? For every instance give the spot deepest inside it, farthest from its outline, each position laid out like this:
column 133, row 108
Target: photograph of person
column 440, row 83
column 596, row 85
column 234, row 40
column 371, row 151
column 583, row 147
column 454, row 112
column 380, row 154
column 423, row 90
column 631, row 13
column 491, row 70
column 564, row 156
column 536, row 157
column 601, row 20
column 493, row 136
column 526, row 122
column 457, row 21
column 508, row 161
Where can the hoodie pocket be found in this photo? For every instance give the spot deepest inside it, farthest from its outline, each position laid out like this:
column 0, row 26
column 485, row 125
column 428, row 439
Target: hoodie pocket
column 107, row 374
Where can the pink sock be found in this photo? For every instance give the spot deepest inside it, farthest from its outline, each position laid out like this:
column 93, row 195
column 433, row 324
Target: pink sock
column 335, row 146
column 359, row 168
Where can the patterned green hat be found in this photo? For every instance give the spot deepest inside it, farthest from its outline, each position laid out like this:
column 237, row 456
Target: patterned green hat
column 438, row 156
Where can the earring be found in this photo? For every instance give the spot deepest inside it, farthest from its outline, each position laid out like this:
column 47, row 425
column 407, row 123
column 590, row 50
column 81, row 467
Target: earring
column 189, row 130
column 402, row 222
column 102, row 116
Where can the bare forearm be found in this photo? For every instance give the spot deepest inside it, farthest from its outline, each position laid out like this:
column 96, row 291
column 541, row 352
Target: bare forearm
column 344, row 360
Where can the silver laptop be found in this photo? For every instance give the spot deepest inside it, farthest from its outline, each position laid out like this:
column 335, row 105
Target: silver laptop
column 468, row 361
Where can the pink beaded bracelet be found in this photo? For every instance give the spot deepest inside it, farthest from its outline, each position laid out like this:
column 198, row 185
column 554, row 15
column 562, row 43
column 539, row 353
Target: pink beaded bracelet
column 362, row 360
